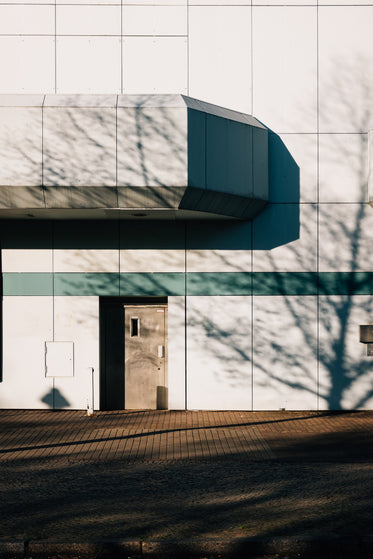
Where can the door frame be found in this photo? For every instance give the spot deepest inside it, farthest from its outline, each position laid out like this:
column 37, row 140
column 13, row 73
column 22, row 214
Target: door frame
column 112, row 351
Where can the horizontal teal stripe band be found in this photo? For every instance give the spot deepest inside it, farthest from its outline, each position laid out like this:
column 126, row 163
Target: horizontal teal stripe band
column 219, row 283
column 346, row 283
column 99, row 284
column 197, row 283
column 27, row 284
column 86, row 284
column 132, row 284
column 284, row 283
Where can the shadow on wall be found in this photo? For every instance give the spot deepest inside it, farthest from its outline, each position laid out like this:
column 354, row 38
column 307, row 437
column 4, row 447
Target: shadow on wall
column 278, row 224
column 329, row 363
column 75, row 166
column 79, row 169
column 54, row 399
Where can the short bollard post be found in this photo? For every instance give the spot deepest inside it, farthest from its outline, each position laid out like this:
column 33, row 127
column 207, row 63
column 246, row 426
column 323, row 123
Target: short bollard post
column 90, row 404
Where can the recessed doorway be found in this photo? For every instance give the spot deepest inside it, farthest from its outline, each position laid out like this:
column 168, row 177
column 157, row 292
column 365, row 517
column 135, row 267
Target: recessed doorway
column 133, row 353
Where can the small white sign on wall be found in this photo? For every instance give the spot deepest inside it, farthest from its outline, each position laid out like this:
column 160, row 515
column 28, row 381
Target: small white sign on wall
column 59, row 359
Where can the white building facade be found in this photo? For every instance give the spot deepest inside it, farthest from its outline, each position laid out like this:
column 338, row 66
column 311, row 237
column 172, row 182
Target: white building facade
column 208, row 160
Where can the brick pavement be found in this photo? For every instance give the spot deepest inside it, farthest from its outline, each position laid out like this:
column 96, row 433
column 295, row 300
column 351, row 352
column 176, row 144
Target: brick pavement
column 178, row 435
column 169, row 476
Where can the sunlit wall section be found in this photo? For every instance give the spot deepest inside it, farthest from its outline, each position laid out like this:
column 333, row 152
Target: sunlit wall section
column 263, row 314
column 345, row 219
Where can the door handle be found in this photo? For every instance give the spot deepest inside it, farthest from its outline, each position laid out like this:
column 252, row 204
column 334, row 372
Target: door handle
column 160, row 351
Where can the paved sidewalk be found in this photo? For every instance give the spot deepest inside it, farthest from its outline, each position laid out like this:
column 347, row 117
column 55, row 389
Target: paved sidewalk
column 164, row 478
column 177, row 435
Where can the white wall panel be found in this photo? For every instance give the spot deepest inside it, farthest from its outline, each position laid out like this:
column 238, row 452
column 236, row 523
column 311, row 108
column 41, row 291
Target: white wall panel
column 218, row 2
column 79, row 146
column 155, row 20
column 218, row 260
column 77, row 320
column 86, row 260
column 27, row 64
column 284, row 68
column 26, row 260
column 343, row 167
column 21, row 146
column 284, row 2
column 285, row 238
column 220, row 55
column 344, row 2
column 285, row 353
column 346, row 68
column 27, row 1
column 152, row 2
column 88, row 65
column 143, row 260
column 33, row 20
column 84, row 2
column 88, row 20
column 152, row 147
column 346, row 373
column 219, row 352
column 346, row 237
column 154, row 65
column 27, row 326
column 176, row 353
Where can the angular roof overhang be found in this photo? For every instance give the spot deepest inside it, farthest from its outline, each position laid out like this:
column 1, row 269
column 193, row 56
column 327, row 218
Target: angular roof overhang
column 129, row 156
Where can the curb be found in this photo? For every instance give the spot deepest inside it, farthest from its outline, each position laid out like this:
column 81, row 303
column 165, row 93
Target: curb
column 328, row 547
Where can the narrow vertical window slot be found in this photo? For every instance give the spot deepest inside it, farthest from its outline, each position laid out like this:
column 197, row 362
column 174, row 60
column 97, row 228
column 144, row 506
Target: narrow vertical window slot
column 135, row 327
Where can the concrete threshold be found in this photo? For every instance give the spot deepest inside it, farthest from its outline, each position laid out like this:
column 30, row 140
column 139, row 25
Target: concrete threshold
column 325, row 547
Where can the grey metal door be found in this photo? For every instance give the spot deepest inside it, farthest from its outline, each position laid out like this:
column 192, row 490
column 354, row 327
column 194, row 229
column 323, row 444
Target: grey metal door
column 145, row 348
